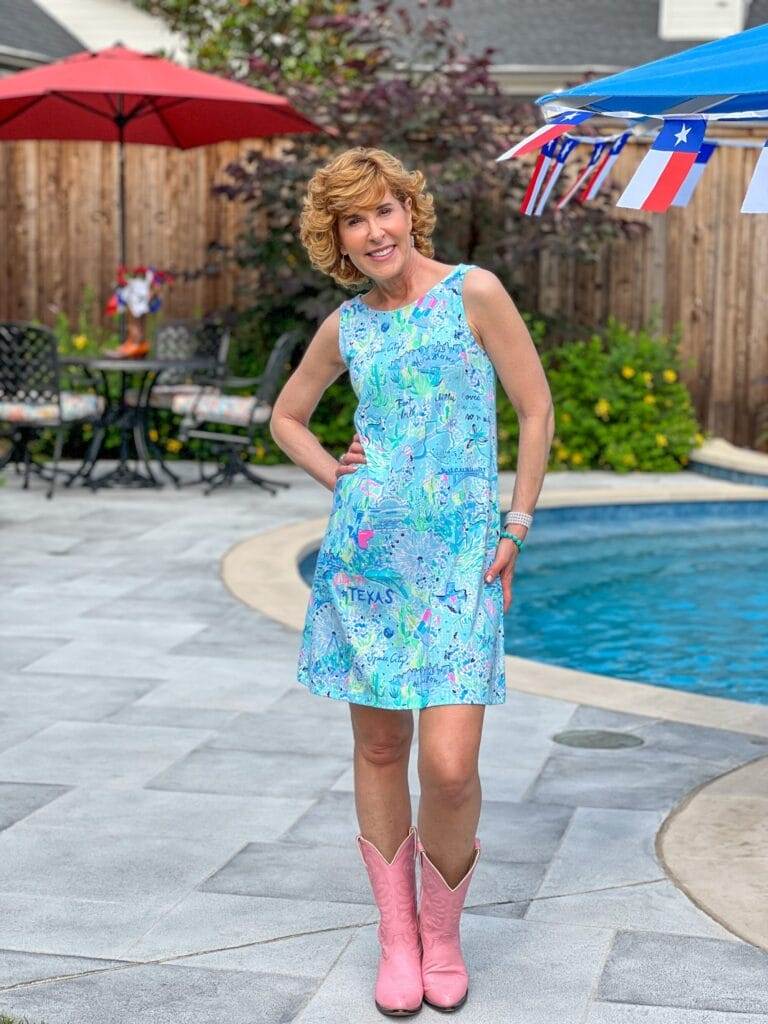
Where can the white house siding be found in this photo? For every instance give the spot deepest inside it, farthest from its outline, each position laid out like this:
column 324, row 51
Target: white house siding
column 101, row 23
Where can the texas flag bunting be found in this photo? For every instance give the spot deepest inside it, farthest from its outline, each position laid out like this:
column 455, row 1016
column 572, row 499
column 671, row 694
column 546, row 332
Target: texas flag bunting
column 546, row 133
column 540, row 169
column 586, row 172
column 756, row 199
column 688, row 187
column 665, row 166
column 603, row 169
column 566, row 146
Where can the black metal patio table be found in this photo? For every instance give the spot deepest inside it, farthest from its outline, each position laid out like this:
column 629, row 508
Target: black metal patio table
column 130, row 420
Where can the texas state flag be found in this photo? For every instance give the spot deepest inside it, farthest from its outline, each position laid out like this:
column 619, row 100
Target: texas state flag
column 603, row 169
column 756, row 199
column 565, row 146
column 561, row 124
column 665, row 166
column 543, row 161
column 586, row 172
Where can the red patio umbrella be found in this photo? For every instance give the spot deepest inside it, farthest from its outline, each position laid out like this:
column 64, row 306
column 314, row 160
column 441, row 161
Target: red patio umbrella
column 121, row 95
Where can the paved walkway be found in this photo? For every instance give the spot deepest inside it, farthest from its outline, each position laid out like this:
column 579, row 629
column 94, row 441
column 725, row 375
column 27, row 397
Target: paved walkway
column 177, row 820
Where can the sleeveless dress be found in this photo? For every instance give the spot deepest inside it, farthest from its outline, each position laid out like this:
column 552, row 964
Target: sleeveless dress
column 399, row 613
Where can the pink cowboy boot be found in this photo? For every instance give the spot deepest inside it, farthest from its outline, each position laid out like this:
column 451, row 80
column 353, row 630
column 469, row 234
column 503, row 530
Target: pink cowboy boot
column 399, row 990
column 443, row 970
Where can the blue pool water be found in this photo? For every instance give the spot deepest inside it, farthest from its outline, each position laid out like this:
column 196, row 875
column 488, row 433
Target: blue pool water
column 670, row 594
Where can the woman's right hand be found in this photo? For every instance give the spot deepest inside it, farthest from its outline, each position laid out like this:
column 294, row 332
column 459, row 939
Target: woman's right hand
column 351, row 458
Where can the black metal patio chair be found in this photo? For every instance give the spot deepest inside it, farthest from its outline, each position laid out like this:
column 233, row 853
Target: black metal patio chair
column 184, row 339
column 249, row 413
column 32, row 400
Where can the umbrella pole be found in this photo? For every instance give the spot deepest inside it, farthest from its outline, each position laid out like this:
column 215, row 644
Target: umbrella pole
column 121, row 209
column 121, row 202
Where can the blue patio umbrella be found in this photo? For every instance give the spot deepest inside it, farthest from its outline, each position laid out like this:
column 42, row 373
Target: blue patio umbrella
column 727, row 78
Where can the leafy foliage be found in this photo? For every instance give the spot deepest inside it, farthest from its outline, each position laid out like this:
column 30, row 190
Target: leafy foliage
column 619, row 403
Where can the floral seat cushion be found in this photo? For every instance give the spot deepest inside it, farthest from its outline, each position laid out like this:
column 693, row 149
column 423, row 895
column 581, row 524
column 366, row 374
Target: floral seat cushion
column 162, row 395
column 32, row 414
column 237, row 410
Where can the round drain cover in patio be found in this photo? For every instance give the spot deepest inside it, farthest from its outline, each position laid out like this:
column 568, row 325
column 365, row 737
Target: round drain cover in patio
column 598, row 739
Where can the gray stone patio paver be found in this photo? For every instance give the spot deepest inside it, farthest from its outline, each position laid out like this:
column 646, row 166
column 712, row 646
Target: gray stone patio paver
column 690, row 972
column 18, row 967
column 617, row 1013
column 83, row 753
column 16, row 652
column 717, row 745
column 95, row 864
column 626, row 842
column 14, row 729
column 306, row 956
column 210, row 770
column 70, row 697
column 619, row 778
column 20, row 799
column 81, row 927
column 215, row 920
column 651, row 906
column 164, row 995
column 155, row 812
column 182, row 718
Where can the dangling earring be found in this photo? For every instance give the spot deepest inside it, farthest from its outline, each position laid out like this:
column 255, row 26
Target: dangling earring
column 413, row 241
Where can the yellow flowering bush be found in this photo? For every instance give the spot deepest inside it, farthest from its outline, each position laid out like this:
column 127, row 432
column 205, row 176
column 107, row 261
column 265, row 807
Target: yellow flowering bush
column 602, row 408
column 619, row 403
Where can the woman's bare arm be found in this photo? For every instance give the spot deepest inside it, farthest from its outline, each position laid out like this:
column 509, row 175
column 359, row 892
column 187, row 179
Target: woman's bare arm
column 320, row 366
column 495, row 321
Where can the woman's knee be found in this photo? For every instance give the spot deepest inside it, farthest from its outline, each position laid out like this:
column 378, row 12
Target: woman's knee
column 383, row 739
column 453, row 780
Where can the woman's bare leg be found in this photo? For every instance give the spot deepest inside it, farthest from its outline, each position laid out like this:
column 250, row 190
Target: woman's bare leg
column 451, row 796
column 382, row 751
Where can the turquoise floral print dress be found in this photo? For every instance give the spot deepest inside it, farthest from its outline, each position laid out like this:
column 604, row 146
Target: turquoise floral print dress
column 399, row 613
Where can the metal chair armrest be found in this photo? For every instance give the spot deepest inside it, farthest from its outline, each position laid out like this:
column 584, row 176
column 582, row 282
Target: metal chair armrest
column 229, row 382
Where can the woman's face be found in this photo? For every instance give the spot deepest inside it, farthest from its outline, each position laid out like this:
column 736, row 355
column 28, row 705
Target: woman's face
column 377, row 239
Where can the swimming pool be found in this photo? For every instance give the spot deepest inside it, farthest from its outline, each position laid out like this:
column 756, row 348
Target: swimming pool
column 674, row 594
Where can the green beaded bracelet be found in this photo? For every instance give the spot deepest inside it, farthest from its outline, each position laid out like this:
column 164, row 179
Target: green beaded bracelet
column 511, row 536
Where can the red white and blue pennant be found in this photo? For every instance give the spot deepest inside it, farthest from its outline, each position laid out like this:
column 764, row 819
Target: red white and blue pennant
column 538, row 176
column 664, row 167
column 552, row 130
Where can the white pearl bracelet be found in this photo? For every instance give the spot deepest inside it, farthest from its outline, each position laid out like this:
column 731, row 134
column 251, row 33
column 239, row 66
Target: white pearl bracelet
column 524, row 518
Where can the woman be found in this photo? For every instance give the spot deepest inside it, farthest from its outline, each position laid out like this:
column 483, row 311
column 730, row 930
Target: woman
column 413, row 575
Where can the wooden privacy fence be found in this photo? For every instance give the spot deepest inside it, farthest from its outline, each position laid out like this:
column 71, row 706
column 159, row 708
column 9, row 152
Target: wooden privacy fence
column 704, row 268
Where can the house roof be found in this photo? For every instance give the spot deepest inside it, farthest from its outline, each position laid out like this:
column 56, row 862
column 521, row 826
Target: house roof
column 610, row 34
column 28, row 35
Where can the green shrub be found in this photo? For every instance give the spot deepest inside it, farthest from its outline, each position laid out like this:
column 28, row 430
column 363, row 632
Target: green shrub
column 619, row 404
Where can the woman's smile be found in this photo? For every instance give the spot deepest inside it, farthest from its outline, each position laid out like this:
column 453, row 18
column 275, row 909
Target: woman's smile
column 382, row 253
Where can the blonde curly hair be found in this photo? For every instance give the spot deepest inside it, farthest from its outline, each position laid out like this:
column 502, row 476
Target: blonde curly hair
column 359, row 177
